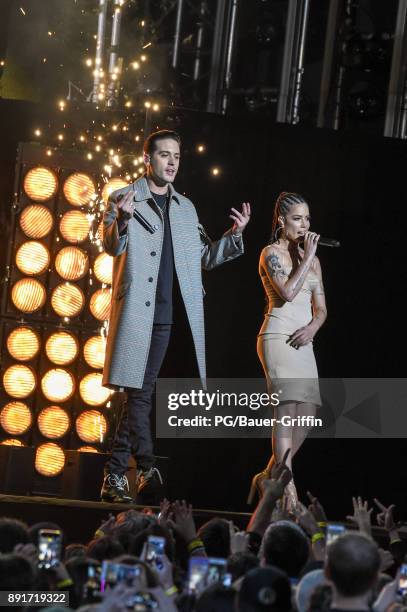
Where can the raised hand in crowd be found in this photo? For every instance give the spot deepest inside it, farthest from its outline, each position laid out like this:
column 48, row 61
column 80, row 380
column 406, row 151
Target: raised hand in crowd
column 317, row 509
column 182, row 520
column 165, row 512
column 239, row 540
column 361, row 516
column 273, row 490
column 385, row 517
column 107, row 526
column 387, row 596
column 308, row 522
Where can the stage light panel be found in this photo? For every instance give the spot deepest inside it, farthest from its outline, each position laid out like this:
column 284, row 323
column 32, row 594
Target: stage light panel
column 74, row 226
column 23, row 343
column 79, row 189
column 19, row 381
column 71, row 263
column 53, row 422
column 58, row 385
column 91, row 426
column 112, row 185
column 94, row 351
column 49, row 459
column 28, row 295
column 16, row 418
column 67, row 300
column 100, row 304
column 32, row 257
column 91, row 390
column 40, row 184
column 62, row 348
column 103, row 268
column 87, row 449
column 36, row 221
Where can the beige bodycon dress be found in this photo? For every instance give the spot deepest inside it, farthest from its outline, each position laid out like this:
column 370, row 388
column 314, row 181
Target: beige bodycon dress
column 292, row 371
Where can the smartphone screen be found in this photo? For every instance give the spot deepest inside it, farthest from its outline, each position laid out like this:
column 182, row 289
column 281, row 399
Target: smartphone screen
column 49, row 547
column 112, row 573
column 197, row 572
column 332, row 532
column 216, row 570
column 402, row 586
column 155, row 547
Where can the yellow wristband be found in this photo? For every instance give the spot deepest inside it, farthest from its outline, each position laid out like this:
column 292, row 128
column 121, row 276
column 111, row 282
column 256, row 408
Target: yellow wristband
column 171, row 590
column 99, row 533
column 197, row 543
column 395, row 540
column 64, row 583
column 317, row 536
column 322, row 524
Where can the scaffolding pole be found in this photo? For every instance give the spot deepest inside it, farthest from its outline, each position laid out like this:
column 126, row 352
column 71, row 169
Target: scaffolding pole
column 396, row 110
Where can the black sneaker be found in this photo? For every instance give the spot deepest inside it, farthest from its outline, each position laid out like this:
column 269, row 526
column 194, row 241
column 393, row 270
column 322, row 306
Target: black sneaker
column 150, row 478
column 115, row 489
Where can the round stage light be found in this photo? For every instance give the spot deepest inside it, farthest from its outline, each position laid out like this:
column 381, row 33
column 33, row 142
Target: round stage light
column 23, row 343
column 91, row 390
column 67, row 300
column 19, row 381
column 15, row 418
column 87, row 449
column 100, row 304
column 74, row 226
column 94, row 351
column 62, row 348
column 53, row 422
column 36, row 221
column 12, row 442
column 91, row 426
column 103, row 268
column 71, row 263
column 28, row 295
column 112, row 185
column 79, row 189
column 58, row 385
column 32, row 258
column 40, row 184
column 49, row 459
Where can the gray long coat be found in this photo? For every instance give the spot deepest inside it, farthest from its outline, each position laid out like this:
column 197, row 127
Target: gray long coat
column 137, row 257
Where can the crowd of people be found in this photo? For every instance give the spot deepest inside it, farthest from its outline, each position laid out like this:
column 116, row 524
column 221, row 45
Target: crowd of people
column 281, row 562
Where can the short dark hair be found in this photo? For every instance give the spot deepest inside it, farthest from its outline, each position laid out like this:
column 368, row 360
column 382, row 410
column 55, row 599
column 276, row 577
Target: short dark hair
column 104, row 548
column 215, row 535
column 151, row 140
column 353, row 564
column 12, row 532
column 240, row 563
column 216, row 597
column 16, row 573
column 286, row 546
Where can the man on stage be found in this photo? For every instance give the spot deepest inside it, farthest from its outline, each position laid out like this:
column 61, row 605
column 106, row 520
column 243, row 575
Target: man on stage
column 153, row 232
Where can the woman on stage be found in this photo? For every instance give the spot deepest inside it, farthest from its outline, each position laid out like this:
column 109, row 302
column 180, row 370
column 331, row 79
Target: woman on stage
column 292, row 279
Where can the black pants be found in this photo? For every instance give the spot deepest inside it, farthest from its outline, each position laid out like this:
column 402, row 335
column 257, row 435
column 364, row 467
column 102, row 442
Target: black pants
column 133, row 434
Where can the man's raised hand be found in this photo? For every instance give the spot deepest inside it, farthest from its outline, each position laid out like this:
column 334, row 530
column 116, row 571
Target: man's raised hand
column 241, row 219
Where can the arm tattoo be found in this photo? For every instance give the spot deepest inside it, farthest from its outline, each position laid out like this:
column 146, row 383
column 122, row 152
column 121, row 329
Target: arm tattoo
column 274, row 266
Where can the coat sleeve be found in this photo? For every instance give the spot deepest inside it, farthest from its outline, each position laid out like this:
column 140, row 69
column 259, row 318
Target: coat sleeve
column 215, row 253
column 113, row 242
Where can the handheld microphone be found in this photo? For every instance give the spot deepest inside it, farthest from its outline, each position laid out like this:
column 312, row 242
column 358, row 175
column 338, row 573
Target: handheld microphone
column 329, row 242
